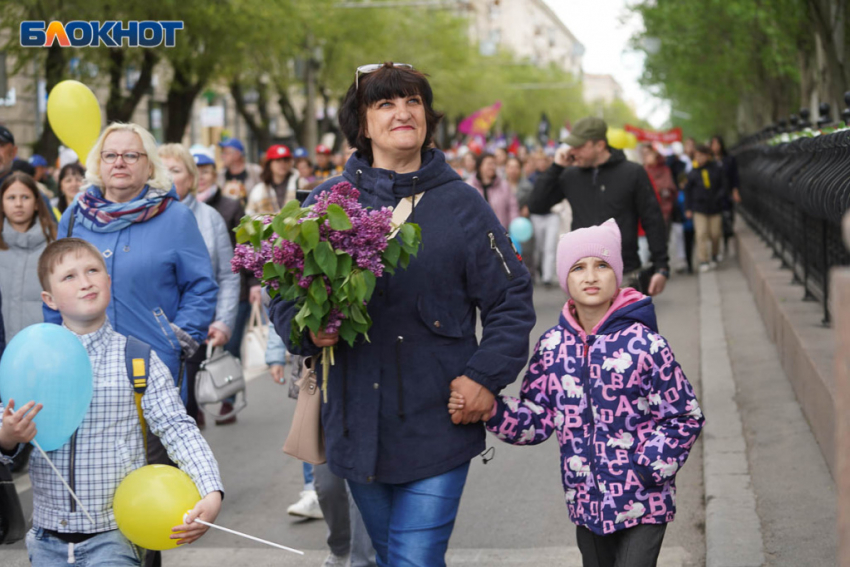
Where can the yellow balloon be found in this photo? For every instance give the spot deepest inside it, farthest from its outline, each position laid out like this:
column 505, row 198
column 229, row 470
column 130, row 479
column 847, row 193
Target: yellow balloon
column 617, row 138
column 152, row 500
column 631, row 141
column 74, row 115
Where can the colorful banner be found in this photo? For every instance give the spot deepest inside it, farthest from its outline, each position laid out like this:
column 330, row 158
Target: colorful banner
column 668, row 137
column 479, row 122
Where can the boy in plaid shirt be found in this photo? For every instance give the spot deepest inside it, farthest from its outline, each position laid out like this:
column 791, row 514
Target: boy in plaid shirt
column 108, row 444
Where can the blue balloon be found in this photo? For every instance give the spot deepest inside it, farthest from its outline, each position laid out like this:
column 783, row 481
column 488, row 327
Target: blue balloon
column 521, row 229
column 48, row 364
column 517, row 245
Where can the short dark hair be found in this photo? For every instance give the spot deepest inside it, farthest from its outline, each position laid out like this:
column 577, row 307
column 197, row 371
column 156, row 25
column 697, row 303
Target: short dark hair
column 720, row 141
column 388, row 82
column 480, row 160
column 703, row 149
column 68, row 169
column 56, row 252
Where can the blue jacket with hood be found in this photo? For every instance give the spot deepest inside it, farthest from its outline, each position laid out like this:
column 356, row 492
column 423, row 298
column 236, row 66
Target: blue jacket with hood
column 386, row 419
column 161, row 275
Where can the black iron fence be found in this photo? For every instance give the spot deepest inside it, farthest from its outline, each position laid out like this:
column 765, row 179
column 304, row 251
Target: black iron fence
column 794, row 195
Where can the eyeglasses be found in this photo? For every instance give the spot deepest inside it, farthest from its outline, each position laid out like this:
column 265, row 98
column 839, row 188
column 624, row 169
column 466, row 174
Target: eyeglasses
column 129, row 157
column 371, row 68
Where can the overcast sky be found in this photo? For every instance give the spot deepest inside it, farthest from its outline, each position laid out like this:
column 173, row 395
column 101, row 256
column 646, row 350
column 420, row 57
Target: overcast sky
column 597, row 25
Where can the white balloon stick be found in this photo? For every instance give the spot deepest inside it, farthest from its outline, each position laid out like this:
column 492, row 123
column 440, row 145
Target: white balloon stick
column 52, row 466
column 234, row 532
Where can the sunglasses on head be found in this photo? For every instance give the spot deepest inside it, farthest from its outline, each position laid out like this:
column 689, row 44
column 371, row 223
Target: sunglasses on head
column 371, row 68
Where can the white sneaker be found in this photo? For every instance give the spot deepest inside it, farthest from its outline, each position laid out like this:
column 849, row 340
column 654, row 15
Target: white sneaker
column 704, row 267
column 712, row 264
column 719, row 257
column 307, row 506
column 336, row 561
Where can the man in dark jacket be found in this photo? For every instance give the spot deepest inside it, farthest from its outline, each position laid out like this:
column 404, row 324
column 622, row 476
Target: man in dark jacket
column 603, row 185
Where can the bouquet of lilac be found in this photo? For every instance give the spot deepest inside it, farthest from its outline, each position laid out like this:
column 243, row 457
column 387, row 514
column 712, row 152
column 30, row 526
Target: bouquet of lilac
column 327, row 258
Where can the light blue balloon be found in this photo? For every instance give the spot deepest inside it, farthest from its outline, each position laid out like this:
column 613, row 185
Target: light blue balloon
column 517, row 245
column 48, row 364
column 521, row 229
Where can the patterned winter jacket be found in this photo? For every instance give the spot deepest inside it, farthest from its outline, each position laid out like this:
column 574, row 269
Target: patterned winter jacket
column 644, row 420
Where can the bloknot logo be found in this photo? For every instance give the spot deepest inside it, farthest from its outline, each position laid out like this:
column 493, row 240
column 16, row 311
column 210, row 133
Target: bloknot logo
column 79, row 33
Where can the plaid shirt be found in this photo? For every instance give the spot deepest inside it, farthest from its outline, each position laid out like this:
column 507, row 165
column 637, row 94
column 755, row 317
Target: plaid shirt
column 109, row 441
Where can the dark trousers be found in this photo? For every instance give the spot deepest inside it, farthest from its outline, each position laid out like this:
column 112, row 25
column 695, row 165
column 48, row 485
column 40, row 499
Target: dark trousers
column 632, row 547
column 689, row 248
column 193, row 364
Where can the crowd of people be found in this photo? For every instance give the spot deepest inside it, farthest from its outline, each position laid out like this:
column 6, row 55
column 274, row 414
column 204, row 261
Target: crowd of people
column 138, row 242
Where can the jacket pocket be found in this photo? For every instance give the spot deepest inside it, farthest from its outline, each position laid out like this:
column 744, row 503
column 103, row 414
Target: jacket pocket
column 165, row 327
column 438, row 319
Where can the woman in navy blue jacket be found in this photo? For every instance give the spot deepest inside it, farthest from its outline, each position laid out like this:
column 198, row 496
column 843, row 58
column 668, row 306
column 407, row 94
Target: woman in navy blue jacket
column 386, row 428
column 163, row 289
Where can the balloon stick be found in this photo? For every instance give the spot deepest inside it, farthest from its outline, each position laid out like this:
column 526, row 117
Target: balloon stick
column 52, row 466
column 234, row 532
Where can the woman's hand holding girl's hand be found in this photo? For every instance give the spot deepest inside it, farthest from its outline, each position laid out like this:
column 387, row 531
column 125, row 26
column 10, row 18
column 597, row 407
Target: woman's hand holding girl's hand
column 324, row 339
column 18, row 426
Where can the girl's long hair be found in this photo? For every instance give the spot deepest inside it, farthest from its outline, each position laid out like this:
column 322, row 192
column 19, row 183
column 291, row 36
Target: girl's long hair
column 42, row 211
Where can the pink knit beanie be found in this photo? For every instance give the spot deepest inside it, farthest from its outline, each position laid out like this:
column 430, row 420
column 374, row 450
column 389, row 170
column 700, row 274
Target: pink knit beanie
column 601, row 241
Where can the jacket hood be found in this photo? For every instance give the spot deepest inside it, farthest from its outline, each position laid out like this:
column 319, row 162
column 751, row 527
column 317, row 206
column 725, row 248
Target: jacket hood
column 33, row 238
column 629, row 307
column 616, row 157
column 433, row 172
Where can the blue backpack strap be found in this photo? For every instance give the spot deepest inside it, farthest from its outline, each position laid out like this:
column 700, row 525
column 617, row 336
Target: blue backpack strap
column 138, row 358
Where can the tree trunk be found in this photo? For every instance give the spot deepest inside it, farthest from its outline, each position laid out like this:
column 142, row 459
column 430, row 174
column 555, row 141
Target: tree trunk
column 829, row 18
column 54, row 72
column 290, row 114
column 259, row 127
column 120, row 108
column 182, row 93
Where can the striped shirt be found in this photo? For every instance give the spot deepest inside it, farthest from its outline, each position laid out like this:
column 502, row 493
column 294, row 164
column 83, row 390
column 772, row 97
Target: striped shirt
column 109, row 442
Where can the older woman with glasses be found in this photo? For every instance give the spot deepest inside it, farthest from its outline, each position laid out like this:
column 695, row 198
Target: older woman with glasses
column 163, row 289
column 386, row 424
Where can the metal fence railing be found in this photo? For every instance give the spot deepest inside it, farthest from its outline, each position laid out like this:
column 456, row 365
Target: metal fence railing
column 794, row 195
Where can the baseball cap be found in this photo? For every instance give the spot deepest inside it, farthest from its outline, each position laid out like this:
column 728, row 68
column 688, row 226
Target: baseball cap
column 38, row 161
column 590, row 128
column 278, row 151
column 6, row 136
column 232, row 143
column 323, row 149
column 300, row 153
column 202, row 159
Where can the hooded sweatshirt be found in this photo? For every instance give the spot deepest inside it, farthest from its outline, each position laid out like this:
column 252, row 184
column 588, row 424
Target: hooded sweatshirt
column 621, row 408
column 617, row 189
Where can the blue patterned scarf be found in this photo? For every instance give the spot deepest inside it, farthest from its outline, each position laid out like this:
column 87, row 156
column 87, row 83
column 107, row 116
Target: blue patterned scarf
column 97, row 214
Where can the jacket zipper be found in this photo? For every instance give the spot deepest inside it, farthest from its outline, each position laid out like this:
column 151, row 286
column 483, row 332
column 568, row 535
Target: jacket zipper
column 71, row 474
column 587, row 398
column 398, row 344
column 500, row 255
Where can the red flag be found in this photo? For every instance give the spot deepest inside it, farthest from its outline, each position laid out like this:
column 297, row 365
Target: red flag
column 668, row 137
column 480, row 121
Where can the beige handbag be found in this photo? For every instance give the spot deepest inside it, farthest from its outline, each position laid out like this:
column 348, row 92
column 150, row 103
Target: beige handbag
column 306, row 439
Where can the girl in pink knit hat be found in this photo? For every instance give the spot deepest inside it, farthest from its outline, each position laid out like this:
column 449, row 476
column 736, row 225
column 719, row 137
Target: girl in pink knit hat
column 607, row 385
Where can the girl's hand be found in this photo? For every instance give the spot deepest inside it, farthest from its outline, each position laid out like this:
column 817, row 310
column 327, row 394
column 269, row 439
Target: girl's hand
column 456, row 403
column 17, row 425
column 207, row 510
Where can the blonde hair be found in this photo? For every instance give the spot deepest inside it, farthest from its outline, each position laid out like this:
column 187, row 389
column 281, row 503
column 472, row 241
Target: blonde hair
column 159, row 178
column 178, row 151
